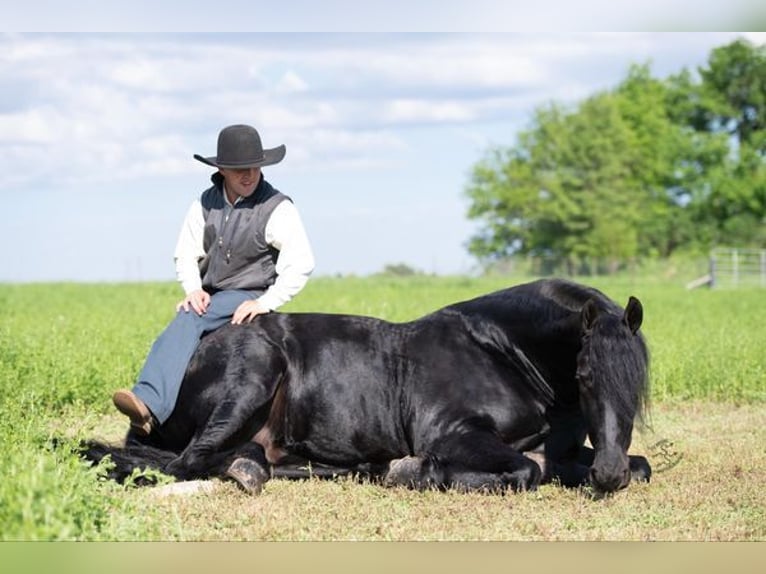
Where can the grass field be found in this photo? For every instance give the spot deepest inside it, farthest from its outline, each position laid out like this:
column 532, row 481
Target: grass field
column 65, row 347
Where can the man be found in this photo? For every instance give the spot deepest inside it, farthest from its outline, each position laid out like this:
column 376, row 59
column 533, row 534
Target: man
column 242, row 251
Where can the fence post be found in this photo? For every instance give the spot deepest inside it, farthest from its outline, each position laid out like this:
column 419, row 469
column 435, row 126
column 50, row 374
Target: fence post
column 763, row 267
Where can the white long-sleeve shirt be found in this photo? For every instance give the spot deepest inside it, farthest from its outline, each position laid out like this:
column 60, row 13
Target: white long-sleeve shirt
column 284, row 231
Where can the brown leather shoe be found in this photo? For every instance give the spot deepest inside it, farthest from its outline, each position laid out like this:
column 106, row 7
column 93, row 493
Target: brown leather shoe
column 129, row 404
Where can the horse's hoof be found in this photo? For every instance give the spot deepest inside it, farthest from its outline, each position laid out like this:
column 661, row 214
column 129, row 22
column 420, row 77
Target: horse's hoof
column 403, row 471
column 541, row 461
column 526, row 478
column 640, row 470
column 248, row 474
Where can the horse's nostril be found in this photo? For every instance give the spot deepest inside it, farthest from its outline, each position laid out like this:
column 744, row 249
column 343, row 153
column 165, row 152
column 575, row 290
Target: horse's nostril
column 609, row 481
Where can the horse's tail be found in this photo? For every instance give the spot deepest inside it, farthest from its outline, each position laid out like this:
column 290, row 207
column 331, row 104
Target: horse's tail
column 127, row 460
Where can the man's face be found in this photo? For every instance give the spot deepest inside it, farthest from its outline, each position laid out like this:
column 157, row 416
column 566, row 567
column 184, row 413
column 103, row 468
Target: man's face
column 241, row 182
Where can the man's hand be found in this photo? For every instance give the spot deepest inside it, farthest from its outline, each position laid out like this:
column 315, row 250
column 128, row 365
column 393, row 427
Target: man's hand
column 197, row 300
column 247, row 311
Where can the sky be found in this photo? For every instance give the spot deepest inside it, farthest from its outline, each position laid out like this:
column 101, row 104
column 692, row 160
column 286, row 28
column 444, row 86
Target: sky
column 382, row 129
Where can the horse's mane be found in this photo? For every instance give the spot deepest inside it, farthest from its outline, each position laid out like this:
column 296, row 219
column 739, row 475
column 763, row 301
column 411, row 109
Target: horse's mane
column 569, row 295
column 491, row 337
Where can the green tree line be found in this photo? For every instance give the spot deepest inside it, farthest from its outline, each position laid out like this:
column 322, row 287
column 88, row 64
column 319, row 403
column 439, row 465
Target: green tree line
column 647, row 169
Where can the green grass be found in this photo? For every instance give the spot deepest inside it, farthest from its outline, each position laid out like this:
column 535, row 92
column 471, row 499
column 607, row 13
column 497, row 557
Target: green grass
column 65, row 347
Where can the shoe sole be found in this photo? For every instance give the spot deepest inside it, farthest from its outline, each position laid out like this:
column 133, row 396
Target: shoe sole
column 139, row 415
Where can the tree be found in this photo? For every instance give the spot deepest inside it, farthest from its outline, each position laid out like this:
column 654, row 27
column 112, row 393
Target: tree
column 734, row 82
column 400, row 270
column 733, row 104
column 639, row 171
column 584, row 186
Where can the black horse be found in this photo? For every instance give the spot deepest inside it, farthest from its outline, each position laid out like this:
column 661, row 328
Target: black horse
column 451, row 400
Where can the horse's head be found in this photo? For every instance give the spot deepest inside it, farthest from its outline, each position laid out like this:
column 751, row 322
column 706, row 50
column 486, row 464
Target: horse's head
column 612, row 380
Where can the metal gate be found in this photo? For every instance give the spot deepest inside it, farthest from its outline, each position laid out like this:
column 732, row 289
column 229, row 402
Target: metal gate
column 738, row 267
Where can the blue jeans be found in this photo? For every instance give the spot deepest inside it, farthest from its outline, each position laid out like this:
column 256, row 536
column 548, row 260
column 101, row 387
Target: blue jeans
column 160, row 379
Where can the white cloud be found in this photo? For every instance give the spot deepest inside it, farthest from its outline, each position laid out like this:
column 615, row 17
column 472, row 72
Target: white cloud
column 108, row 100
column 35, row 126
column 758, row 38
column 411, row 110
column 291, row 82
column 469, row 63
column 142, row 74
column 342, row 150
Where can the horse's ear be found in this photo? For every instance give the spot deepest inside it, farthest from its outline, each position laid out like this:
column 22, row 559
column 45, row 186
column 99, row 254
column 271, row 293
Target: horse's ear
column 589, row 314
column 634, row 314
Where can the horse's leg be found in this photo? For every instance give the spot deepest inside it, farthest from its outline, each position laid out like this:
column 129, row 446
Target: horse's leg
column 561, row 450
column 229, row 425
column 473, row 460
column 421, row 473
column 248, row 385
column 569, row 473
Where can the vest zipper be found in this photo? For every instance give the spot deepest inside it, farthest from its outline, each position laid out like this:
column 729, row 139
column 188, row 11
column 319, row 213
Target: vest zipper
column 224, row 225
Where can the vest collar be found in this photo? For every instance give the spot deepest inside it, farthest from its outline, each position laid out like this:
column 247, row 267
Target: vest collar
column 219, row 184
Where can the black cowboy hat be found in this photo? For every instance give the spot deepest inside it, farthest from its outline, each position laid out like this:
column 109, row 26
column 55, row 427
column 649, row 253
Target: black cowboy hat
column 239, row 147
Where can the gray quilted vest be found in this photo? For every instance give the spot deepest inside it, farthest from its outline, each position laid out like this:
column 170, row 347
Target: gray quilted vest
column 236, row 253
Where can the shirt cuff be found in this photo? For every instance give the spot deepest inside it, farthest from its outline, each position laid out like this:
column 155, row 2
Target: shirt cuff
column 270, row 301
column 190, row 285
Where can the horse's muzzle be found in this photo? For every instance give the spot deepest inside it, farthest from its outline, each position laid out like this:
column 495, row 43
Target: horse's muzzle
column 607, row 479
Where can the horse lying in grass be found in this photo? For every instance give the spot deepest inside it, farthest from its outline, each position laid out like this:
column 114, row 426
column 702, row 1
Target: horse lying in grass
column 451, row 400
